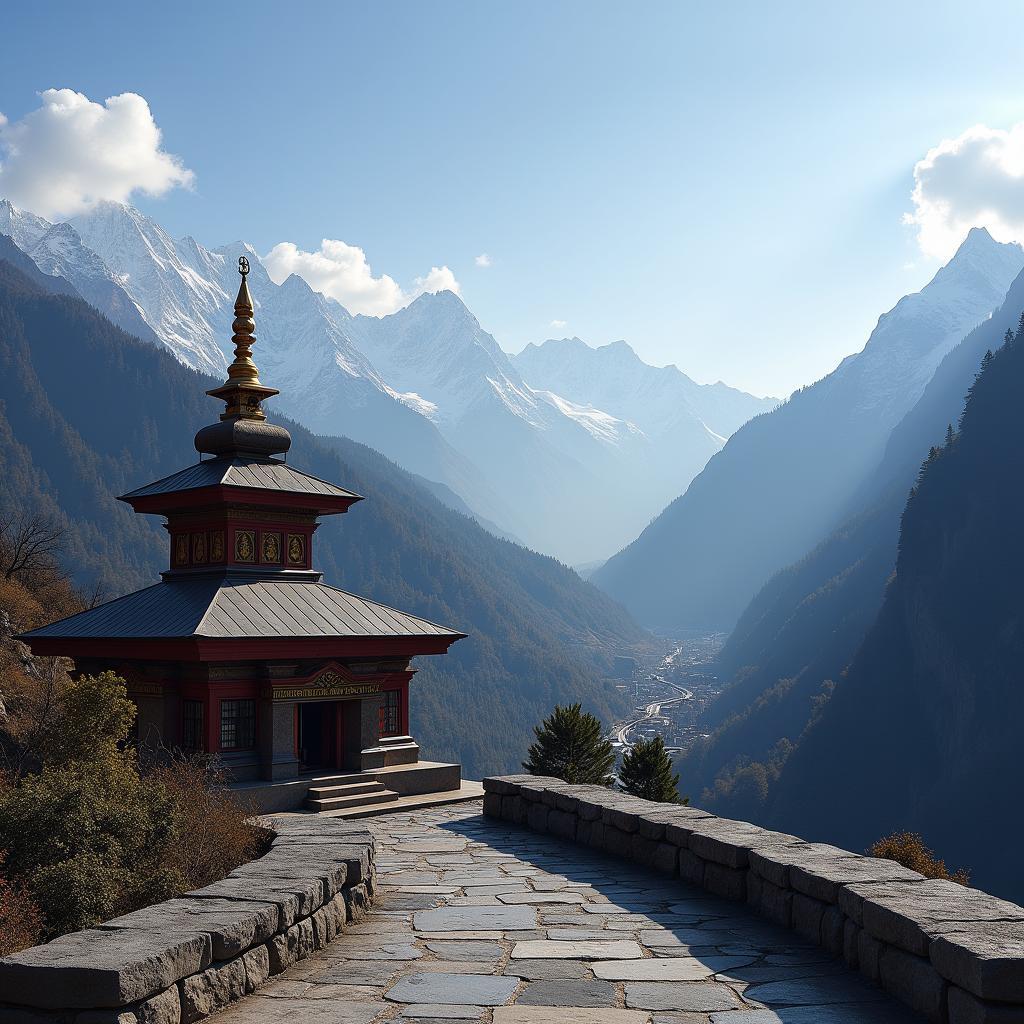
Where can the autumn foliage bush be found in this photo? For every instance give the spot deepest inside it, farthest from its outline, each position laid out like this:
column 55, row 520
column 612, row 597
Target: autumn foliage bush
column 908, row 849
column 88, row 830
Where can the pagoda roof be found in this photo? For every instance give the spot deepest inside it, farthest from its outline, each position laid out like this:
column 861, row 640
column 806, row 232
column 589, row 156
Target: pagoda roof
column 242, row 471
column 219, row 608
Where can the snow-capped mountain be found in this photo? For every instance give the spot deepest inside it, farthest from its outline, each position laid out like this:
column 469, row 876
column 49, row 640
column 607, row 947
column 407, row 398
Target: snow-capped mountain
column 660, row 400
column 58, row 250
column 785, row 480
column 427, row 386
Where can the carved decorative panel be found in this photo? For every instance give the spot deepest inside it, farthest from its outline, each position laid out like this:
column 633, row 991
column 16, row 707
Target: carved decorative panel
column 296, row 549
column 217, row 546
column 181, row 549
column 271, row 549
column 245, row 546
column 199, row 548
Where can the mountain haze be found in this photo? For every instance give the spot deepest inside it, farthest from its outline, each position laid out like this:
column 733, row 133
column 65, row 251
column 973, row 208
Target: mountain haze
column 426, row 386
column 786, row 478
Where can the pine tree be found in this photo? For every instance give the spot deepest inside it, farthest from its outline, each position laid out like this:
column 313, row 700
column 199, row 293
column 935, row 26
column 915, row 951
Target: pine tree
column 647, row 772
column 571, row 746
column 950, row 436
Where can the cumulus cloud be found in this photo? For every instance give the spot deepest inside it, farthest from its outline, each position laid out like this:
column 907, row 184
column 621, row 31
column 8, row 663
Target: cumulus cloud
column 558, row 323
column 342, row 271
column 483, row 260
column 974, row 180
column 72, row 153
column 439, row 279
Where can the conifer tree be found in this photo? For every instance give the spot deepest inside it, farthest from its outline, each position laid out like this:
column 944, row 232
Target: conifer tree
column 950, row 436
column 571, row 746
column 647, row 772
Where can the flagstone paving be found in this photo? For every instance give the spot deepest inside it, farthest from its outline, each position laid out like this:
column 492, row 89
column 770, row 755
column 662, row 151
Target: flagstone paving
column 477, row 920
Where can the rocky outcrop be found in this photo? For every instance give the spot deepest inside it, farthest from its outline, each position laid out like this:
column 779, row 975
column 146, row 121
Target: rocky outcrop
column 953, row 954
column 178, row 961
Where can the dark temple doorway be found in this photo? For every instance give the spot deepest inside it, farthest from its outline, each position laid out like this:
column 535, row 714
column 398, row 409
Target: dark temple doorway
column 319, row 729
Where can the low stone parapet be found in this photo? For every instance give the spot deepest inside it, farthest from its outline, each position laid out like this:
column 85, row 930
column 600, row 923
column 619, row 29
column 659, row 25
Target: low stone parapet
column 178, row 961
column 953, row 954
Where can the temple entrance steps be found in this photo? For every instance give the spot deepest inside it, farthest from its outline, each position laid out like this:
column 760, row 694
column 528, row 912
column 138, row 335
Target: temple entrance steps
column 344, row 792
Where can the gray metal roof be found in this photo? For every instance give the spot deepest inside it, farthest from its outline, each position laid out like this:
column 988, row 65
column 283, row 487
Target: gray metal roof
column 221, row 609
column 237, row 471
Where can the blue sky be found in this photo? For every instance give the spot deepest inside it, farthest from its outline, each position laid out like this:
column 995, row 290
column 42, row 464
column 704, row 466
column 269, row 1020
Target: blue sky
column 721, row 184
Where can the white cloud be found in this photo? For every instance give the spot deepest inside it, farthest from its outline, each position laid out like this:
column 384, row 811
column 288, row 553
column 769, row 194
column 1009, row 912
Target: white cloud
column 72, row 153
column 341, row 271
column 483, row 260
column 440, row 279
column 974, row 180
column 558, row 323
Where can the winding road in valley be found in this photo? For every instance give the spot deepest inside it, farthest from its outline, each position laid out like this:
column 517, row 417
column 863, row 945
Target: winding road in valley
column 653, row 711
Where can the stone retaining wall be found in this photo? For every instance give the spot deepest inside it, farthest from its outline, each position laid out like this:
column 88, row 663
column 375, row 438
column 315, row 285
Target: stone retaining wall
column 954, row 954
column 178, row 961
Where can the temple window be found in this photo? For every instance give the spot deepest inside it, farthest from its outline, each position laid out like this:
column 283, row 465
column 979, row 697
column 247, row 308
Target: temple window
column 391, row 713
column 192, row 725
column 237, row 724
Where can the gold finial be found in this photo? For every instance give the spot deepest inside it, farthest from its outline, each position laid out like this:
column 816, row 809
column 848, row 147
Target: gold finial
column 242, row 391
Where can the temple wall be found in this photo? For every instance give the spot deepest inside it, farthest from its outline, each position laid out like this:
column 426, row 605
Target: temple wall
column 953, row 954
column 181, row 960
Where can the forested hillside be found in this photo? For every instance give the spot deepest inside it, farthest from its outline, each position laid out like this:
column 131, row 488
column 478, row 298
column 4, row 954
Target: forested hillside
column 88, row 412
column 923, row 733
column 797, row 636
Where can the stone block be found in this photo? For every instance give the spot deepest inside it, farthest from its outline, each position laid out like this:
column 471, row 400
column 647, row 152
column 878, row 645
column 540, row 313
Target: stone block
column 965, row 1008
column 537, row 817
column 583, row 832
column 549, row 798
column 99, row 968
column 754, row 889
column 807, row 915
column 292, row 900
column 209, row 991
column 562, row 824
column 776, row 904
column 691, row 867
column 910, row 914
column 833, row 925
column 869, row 954
column 257, row 967
column 500, row 785
column 163, row 1008
column 665, row 858
column 492, row 805
column 294, row 944
column 512, row 808
column 233, row 925
column 914, row 981
column 730, row 883
column 985, row 958
column 357, row 903
column 617, row 842
column 850, row 955
column 624, row 820
column 588, row 809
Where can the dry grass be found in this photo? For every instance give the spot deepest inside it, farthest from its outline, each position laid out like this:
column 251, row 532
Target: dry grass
column 908, row 849
column 215, row 831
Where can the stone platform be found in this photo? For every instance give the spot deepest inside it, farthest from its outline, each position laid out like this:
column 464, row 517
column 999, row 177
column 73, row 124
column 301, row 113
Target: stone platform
column 418, row 778
column 480, row 920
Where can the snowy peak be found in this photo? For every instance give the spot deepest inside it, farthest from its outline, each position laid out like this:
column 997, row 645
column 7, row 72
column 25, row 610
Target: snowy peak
column 614, row 378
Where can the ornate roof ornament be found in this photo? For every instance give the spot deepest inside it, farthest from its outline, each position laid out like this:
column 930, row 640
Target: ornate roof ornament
column 243, row 428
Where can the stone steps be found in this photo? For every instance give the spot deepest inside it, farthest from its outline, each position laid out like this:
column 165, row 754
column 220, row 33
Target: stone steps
column 346, row 796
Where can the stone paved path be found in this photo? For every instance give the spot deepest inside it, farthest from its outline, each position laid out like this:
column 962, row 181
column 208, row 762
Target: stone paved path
column 478, row 920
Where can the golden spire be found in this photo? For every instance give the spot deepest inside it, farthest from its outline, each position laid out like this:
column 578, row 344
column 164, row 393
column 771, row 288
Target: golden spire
column 242, row 391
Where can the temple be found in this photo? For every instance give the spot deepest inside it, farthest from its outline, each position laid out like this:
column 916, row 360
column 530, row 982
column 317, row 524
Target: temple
column 241, row 650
